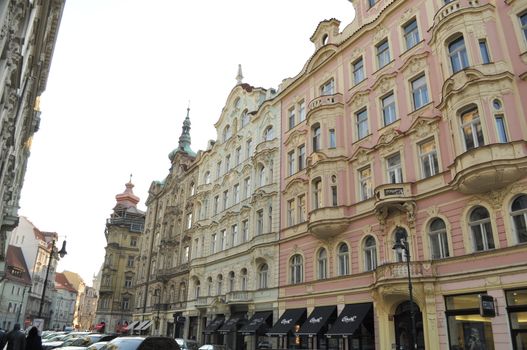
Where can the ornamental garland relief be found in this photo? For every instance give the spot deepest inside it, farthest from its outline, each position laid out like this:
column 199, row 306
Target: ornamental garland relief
column 359, row 99
column 385, row 83
column 380, row 34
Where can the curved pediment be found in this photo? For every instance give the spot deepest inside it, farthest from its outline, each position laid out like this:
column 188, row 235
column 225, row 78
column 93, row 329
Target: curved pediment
column 362, row 155
column 359, row 99
column 296, row 186
column 321, row 56
column 385, row 82
column 415, row 63
column 296, row 138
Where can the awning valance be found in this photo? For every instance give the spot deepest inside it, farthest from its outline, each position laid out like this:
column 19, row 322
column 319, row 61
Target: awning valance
column 349, row 319
column 258, row 324
column 233, row 323
column 289, row 319
column 214, row 325
column 318, row 320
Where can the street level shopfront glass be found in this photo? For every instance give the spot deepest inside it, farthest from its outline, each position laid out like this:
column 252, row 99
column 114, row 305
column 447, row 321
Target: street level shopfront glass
column 466, row 328
column 517, row 310
column 403, row 324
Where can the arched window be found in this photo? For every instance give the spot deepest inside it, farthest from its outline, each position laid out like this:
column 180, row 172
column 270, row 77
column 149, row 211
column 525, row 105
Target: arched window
column 263, row 271
column 458, row 54
column 315, row 131
column 370, row 254
column 206, row 177
column 219, row 285
column 317, row 193
column 400, row 235
column 343, row 259
column 243, row 279
column 197, row 289
column 268, row 133
column 231, row 281
column 481, row 229
column 261, row 175
column 322, row 264
column 182, row 292
column 227, row 133
column 192, row 189
column 209, row 286
column 472, row 129
column 519, row 218
column 438, row 239
column 244, row 118
column 295, row 269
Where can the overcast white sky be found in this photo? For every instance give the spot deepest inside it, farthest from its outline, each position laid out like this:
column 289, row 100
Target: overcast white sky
column 122, row 74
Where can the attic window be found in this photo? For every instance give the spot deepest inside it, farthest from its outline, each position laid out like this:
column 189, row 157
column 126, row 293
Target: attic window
column 325, row 39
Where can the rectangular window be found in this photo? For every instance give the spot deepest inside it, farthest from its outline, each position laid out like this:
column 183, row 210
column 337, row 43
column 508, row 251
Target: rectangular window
column 394, row 169
column 428, row 157
column 213, row 243
column 411, row 34
column 245, row 231
column 216, row 204
column 332, row 139
column 125, row 303
column 133, row 242
column 291, row 117
column 301, row 111
column 388, row 109
column 290, row 212
column 234, row 235
column 237, row 155
column 259, row 222
column 130, row 262
column 371, row 2
column 362, row 123
column 189, row 220
column 128, row 282
column 458, row 54
column 225, row 199
column 334, row 197
column 383, row 53
column 196, row 246
column 301, row 208
column 247, row 187
column 218, row 170
column 249, row 148
column 301, row 157
column 223, row 239
column 328, row 88
column 236, row 193
column 523, row 22
column 365, row 183
column 501, row 129
column 186, row 251
column 419, row 92
column 291, row 163
column 358, row 71
column 484, row 50
column 227, row 163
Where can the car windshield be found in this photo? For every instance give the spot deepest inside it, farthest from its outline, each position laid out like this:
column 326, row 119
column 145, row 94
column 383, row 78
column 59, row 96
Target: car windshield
column 84, row 341
column 124, row 344
column 96, row 346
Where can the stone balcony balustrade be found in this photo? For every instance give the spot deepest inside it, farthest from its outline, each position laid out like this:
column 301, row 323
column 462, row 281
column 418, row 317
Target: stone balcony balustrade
column 239, row 297
column 452, row 7
column 328, row 222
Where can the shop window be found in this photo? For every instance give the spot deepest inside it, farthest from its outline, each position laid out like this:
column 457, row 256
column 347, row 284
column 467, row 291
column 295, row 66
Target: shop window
column 481, row 229
column 296, row 269
column 370, row 254
column 472, row 129
column 517, row 310
column 519, row 218
column 322, row 264
column 438, row 239
column 458, row 54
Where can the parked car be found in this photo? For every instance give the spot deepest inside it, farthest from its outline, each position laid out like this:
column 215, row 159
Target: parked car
column 97, row 346
column 264, row 344
column 187, row 344
column 142, row 343
column 212, row 347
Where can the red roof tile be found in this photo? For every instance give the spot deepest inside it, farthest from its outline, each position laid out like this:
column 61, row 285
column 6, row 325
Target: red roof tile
column 16, row 269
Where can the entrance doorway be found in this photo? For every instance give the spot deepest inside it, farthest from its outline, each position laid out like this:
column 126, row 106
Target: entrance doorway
column 403, row 327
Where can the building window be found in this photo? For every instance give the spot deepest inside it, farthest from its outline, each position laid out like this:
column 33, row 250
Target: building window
column 301, row 111
column 292, row 119
column 243, row 279
column 227, row 133
column 209, row 286
column 316, row 137
column 419, row 92
column 365, row 183
column 400, row 235
column 523, row 22
column 223, row 239
column 245, row 118
column 291, row 212
column 234, row 235
column 213, row 240
column 517, row 310
column 388, row 109
column 519, row 218
column 322, row 264
column 268, row 134
column 501, row 127
column 130, row 262
column 295, row 269
column 328, row 88
column 358, row 71
column 481, row 229
column 332, row 138
column 206, row 177
column 394, row 169
column 262, row 276
column 218, row 170
column 301, row 157
column 236, row 193
column 125, row 303
column 227, row 163
column 428, row 157
column 216, row 204
column 261, row 175
column 219, row 285
column 317, row 193
column 370, row 254
column 343, row 259
column 361, row 120
column 245, row 231
column 472, row 130
column 334, row 196
column 371, row 2
column 249, row 148
column 438, row 239
column 259, row 222
column 128, row 282
column 133, row 242
column 232, row 280
column 189, row 220
column 458, row 54
column 301, row 208
column 192, row 189
column 411, row 34
column 484, row 50
column 186, row 254
column 383, row 53
column 291, row 163
column 225, row 199
column 247, row 187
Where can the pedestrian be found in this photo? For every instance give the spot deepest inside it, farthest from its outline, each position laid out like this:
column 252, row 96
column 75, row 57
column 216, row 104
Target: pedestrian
column 3, row 340
column 33, row 340
column 16, row 339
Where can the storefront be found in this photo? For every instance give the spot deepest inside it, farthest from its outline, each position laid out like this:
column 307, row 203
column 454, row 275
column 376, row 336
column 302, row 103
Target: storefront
column 316, row 325
column 211, row 336
column 231, row 338
column 257, row 328
column 517, row 310
column 287, row 326
column 353, row 329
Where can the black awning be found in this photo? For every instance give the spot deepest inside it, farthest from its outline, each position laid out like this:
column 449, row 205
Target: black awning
column 233, row 324
column 318, row 320
column 289, row 319
column 349, row 319
column 214, row 325
column 258, row 324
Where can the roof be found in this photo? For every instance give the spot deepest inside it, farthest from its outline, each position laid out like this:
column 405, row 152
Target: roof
column 16, row 267
column 61, row 282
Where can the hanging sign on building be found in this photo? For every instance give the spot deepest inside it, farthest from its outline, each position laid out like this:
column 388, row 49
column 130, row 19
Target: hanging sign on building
column 486, row 306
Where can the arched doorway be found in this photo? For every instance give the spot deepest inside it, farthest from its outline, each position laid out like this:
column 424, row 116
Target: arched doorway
column 403, row 326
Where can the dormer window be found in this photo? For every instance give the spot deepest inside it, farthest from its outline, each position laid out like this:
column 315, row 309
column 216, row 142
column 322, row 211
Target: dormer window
column 328, row 88
column 371, row 3
column 325, row 39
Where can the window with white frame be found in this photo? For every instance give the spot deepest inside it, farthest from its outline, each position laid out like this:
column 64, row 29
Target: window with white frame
column 317, row 193
column 361, row 122
column 301, row 111
column 263, row 272
column 291, row 212
column 244, row 118
column 243, row 279
column 400, row 235
column 209, row 286
column 291, row 118
column 186, row 254
column 225, row 199
column 128, row 282
column 291, row 163
column 259, row 221
column 232, row 281
column 227, row 163
column 247, row 187
column 192, row 189
column 245, row 231
column 358, row 71
column 223, row 239
column 296, row 269
column 388, row 109
column 189, row 220
column 334, row 196
column 270, row 219
column 365, row 183
column 125, row 303
column 236, row 193
column 219, row 285
column 316, row 137
column 261, row 175
column 206, row 177
column 249, row 148
column 419, row 92
column 343, row 259
column 523, row 22
column 484, row 51
column 428, row 158
column 481, row 229
column 213, row 240
column 268, row 133
column 411, row 34
column 227, row 133
column 458, row 54
column 322, row 264
column 383, row 53
column 216, row 204
column 394, row 168
column 234, row 235
column 332, row 138
column 438, row 239
column 519, row 218
column 301, row 157
column 499, row 117
column 370, row 254
column 472, row 129
column 301, row 208
column 328, row 88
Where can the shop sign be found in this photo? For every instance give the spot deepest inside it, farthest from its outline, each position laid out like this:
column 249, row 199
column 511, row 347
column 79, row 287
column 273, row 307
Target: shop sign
column 486, row 306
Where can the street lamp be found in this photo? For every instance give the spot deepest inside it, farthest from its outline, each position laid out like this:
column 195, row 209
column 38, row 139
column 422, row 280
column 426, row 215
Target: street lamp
column 157, row 293
column 399, row 247
column 61, row 253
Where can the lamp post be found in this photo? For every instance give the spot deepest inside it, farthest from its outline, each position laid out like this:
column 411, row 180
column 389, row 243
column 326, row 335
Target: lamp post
column 61, row 253
column 401, row 246
column 157, row 293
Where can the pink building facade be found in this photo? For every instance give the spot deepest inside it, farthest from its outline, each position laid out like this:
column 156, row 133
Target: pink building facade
column 408, row 126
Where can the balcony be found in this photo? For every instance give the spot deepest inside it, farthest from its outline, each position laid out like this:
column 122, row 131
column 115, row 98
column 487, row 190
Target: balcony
column 396, row 271
column 161, row 307
column 239, row 297
column 172, row 271
column 452, row 7
column 489, row 167
column 398, row 196
column 328, row 222
column 203, row 302
column 325, row 101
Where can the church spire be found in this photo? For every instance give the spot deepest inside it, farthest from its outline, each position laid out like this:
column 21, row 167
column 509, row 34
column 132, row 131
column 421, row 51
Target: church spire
column 127, row 199
column 239, row 77
column 184, row 139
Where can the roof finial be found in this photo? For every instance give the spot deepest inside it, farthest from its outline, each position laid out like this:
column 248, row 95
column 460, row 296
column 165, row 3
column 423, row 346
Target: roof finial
column 130, row 178
column 239, row 77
